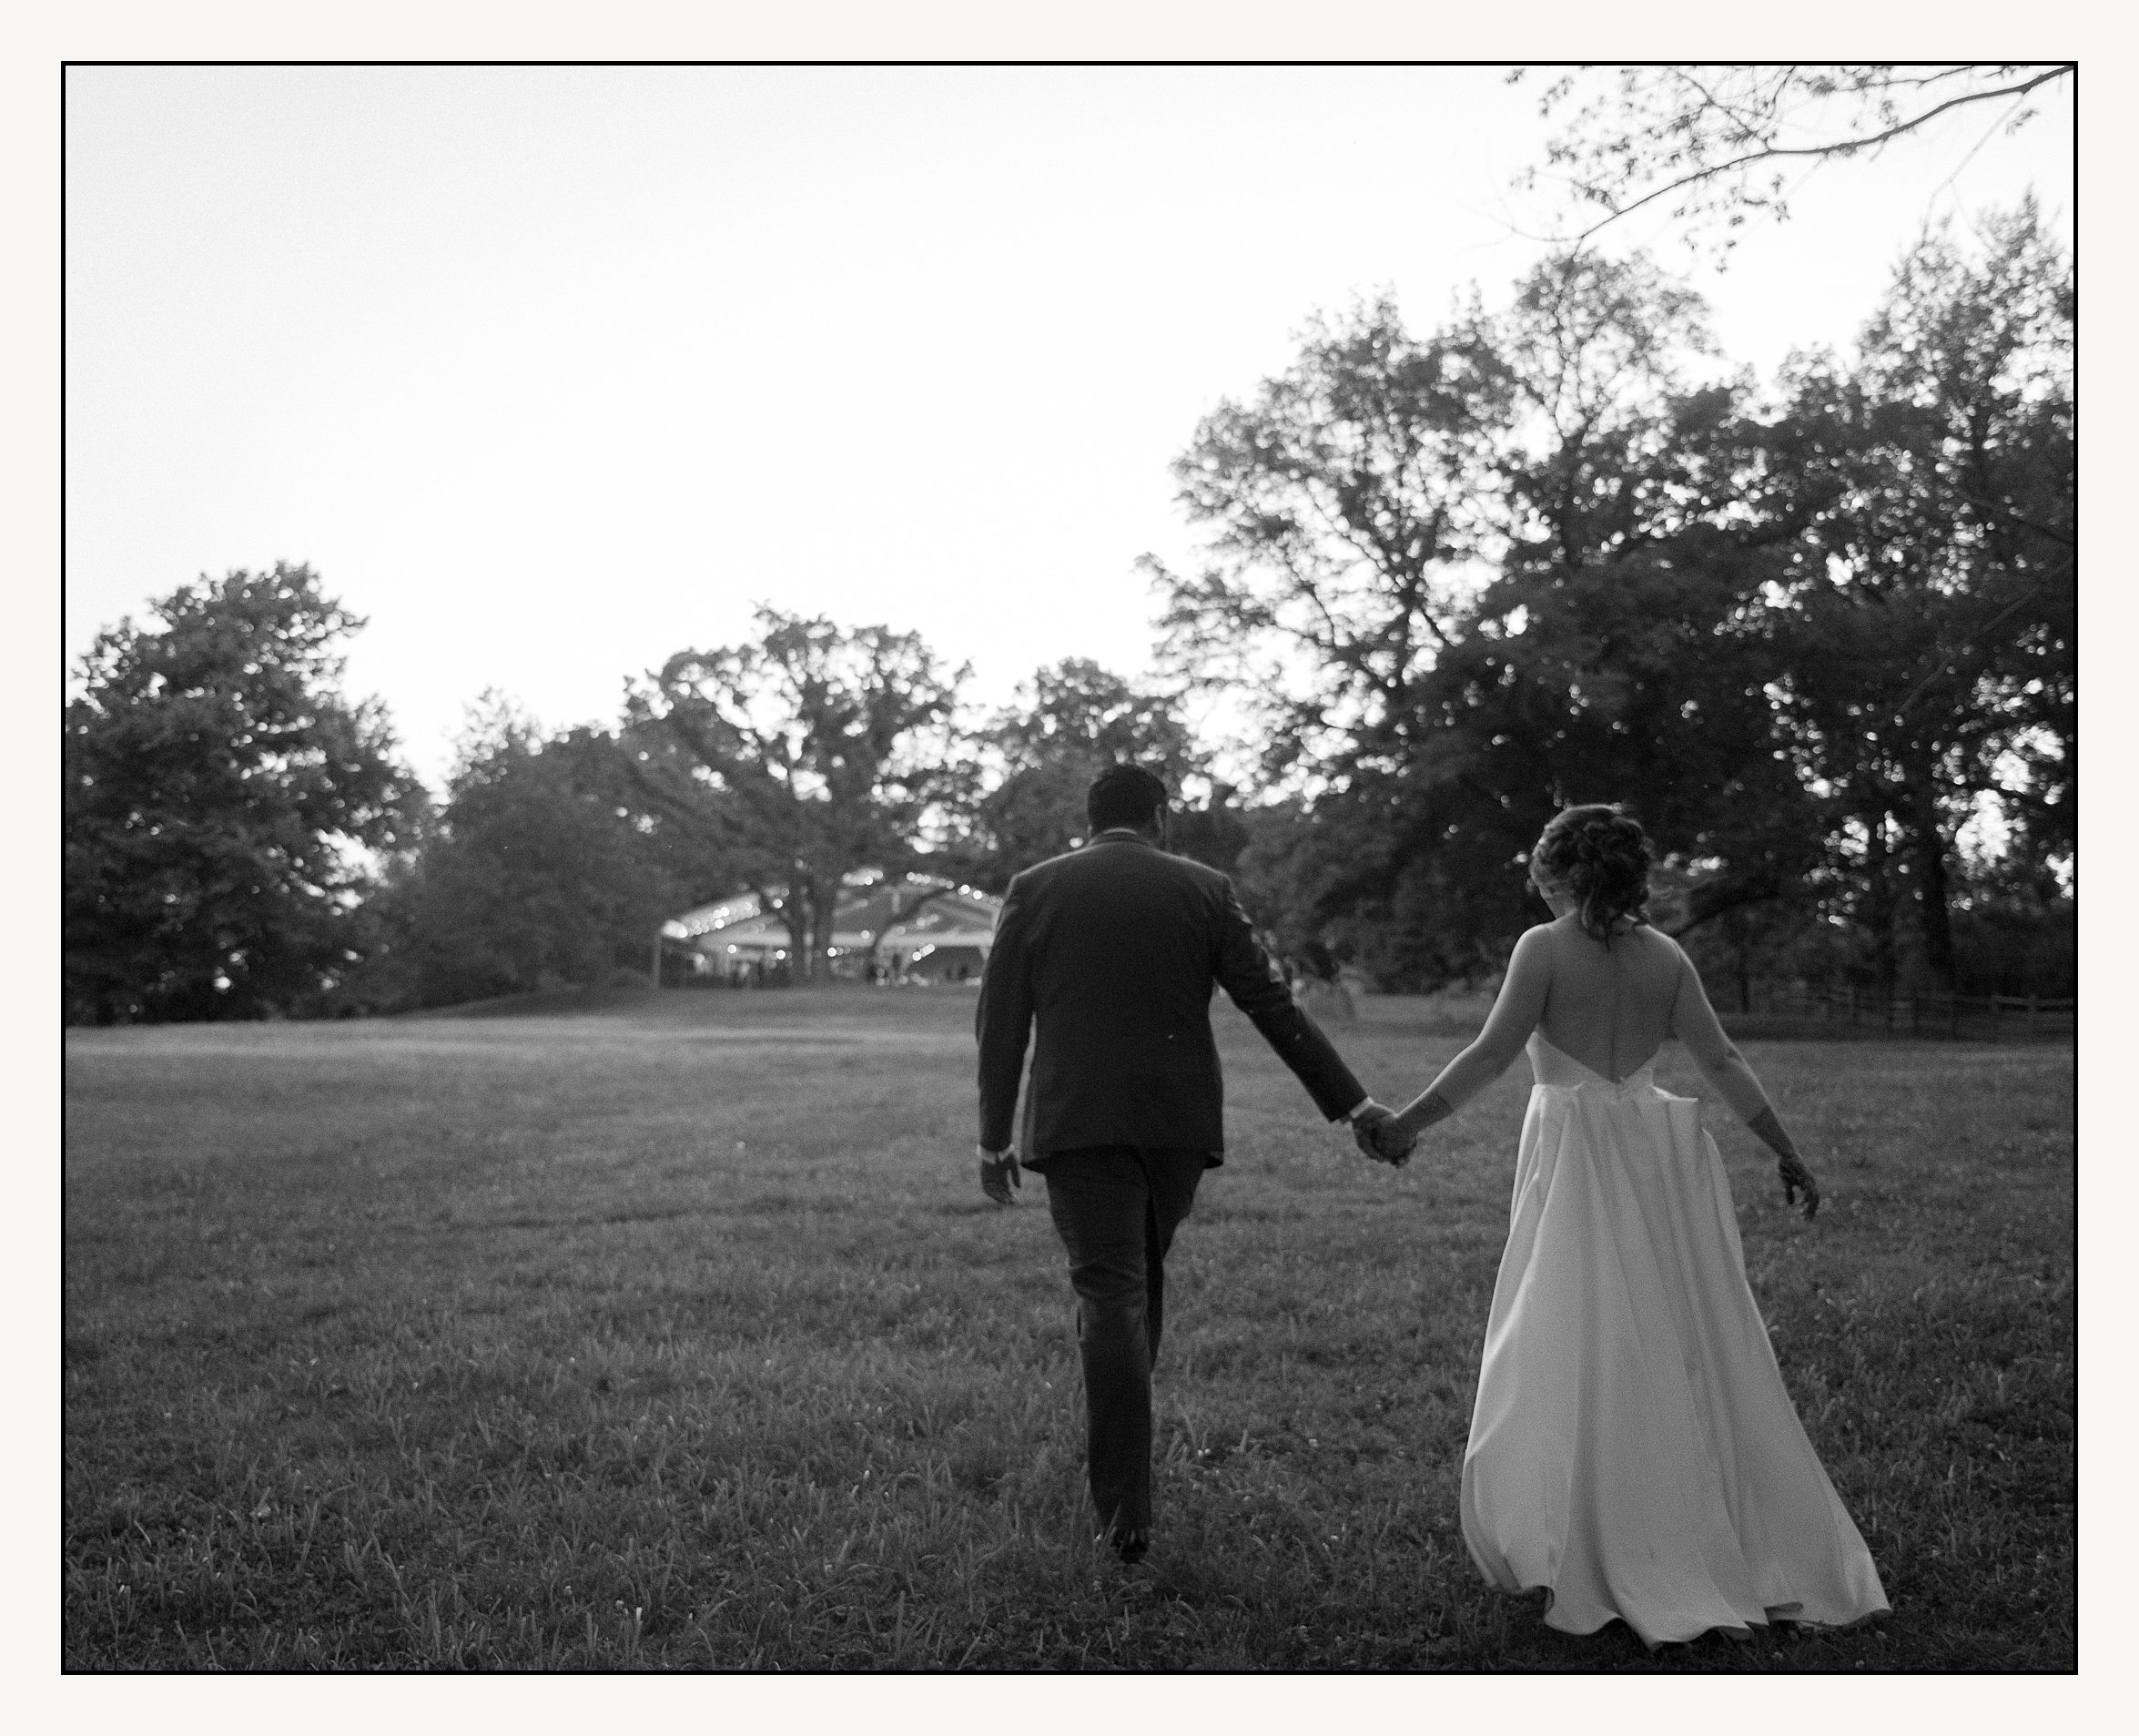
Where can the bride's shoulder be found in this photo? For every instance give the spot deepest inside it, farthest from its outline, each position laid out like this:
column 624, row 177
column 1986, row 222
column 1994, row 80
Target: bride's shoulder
column 1539, row 940
column 1659, row 943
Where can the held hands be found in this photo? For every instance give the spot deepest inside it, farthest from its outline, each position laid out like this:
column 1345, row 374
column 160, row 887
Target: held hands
column 1000, row 1173
column 1380, row 1136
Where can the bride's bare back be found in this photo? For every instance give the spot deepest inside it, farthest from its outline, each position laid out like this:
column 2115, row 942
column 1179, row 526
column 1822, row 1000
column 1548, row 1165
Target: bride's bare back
column 1605, row 1000
column 1611, row 1008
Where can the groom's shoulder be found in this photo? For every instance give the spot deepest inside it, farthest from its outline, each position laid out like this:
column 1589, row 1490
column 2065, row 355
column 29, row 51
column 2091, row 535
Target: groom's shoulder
column 1163, row 865
column 1035, row 881
column 1110, row 861
column 1200, row 874
column 1041, row 872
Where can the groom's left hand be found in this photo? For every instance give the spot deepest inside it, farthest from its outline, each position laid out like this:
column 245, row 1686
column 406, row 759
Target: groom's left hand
column 998, row 1173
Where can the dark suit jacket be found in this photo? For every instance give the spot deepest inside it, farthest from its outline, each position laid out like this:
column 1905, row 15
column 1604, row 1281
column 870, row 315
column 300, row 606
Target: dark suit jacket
column 1114, row 950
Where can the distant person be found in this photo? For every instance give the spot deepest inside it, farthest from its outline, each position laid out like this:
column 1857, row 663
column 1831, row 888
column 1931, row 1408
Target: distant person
column 1105, row 959
column 1633, row 1450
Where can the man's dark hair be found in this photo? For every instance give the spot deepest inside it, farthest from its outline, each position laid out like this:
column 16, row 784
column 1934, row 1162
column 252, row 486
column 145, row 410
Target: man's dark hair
column 1123, row 796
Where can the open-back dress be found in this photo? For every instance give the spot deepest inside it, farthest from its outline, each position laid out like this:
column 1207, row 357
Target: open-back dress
column 1633, row 1449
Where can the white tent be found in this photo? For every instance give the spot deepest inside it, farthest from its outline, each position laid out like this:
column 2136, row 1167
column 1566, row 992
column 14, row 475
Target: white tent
column 916, row 924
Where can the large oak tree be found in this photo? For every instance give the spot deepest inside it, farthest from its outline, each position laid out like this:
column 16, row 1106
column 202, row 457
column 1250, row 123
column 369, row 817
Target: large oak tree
column 803, row 755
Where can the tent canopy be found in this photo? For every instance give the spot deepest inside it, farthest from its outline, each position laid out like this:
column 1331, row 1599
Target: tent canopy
column 911, row 914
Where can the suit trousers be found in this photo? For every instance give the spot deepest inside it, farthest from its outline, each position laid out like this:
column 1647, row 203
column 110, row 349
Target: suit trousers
column 1115, row 1208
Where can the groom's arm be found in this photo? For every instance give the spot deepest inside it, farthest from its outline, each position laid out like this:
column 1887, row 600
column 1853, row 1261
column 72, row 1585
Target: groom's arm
column 1247, row 974
column 1002, row 1022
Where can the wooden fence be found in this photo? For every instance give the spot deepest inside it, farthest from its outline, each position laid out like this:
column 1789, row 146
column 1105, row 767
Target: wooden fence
column 1981, row 1018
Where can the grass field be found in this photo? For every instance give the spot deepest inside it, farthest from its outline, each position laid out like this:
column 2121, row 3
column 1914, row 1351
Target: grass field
column 676, row 1333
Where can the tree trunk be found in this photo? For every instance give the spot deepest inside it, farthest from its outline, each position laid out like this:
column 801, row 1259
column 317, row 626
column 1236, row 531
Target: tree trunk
column 823, row 903
column 802, row 932
column 1879, row 902
column 1927, row 850
column 900, row 911
column 793, row 914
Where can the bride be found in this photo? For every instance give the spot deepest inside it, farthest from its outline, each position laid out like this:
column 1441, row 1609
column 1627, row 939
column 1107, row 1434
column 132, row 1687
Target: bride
column 1633, row 1450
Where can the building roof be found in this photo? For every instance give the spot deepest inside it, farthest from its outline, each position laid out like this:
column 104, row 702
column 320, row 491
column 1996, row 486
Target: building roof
column 913, row 911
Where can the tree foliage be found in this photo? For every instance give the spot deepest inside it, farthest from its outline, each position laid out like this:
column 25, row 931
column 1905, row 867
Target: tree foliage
column 803, row 755
column 1806, row 638
column 1348, row 503
column 1933, row 601
column 1587, row 634
column 540, row 872
column 221, row 800
column 1069, row 722
column 1622, row 652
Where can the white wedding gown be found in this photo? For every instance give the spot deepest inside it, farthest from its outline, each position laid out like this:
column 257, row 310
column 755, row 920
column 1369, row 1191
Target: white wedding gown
column 1633, row 1449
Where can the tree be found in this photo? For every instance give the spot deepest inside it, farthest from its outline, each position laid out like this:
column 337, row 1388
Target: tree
column 1069, row 722
column 1621, row 653
column 1349, row 503
column 539, row 872
column 809, row 753
column 1321, row 880
column 1716, row 139
column 221, row 798
column 1807, row 642
column 1584, row 636
column 1932, row 602
column 1356, row 505
column 1980, row 342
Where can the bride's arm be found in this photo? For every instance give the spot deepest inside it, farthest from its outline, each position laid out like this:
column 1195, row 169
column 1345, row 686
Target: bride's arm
column 1515, row 1013
column 1695, row 1024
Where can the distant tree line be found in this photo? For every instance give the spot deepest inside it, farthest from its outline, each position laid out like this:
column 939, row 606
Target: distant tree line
column 1820, row 638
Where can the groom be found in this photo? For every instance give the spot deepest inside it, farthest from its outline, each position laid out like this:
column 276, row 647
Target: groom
column 1113, row 951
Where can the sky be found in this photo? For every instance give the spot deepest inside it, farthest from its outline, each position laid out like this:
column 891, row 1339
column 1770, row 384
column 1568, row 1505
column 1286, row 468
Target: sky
column 551, row 373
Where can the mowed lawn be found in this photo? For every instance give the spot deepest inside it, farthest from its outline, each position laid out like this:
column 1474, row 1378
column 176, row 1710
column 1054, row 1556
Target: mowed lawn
column 677, row 1334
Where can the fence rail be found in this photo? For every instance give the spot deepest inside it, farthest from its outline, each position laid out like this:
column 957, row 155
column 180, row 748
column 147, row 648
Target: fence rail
column 1993, row 1017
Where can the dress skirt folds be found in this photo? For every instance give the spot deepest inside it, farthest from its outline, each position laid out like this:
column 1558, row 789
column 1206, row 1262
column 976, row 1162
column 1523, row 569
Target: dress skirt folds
column 1633, row 1449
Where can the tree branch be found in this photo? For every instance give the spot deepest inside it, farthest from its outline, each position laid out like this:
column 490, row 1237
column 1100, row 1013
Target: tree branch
column 1839, row 148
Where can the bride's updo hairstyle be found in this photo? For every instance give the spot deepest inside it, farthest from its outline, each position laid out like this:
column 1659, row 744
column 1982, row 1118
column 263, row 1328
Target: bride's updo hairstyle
column 1602, row 857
